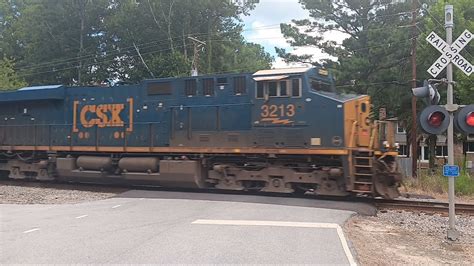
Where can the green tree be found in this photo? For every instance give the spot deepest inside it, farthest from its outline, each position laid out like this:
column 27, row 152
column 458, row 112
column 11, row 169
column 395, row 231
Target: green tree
column 82, row 41
column 375, row 57
column 50, row 39
column 8, row 78
column 171, row 23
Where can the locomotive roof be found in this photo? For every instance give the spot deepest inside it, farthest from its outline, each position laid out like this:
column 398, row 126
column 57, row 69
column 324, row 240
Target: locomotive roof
column 279, row 71
column 48, row 92
column 342, row 97
column 46, row 87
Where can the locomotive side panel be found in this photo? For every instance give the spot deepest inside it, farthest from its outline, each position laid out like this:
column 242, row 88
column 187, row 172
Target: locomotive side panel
column 275, row 131
column 27, row 116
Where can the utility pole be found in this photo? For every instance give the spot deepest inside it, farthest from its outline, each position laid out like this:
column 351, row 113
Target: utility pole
column 449, row 24
column 414, row 143
column 197, row 47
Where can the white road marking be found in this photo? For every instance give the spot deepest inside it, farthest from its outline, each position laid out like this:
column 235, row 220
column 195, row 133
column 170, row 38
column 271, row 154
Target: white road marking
column 31, row 230
column 338, row 228
column 82, row 216
column 116, row 206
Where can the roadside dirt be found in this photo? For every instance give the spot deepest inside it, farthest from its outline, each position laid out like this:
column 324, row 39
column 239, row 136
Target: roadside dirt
column 27, row 192
column 405, row 238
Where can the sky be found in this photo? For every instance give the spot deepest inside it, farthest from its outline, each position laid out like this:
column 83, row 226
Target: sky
column 262, row 27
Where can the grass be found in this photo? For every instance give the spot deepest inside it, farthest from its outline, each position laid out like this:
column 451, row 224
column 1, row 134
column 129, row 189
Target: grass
column 438, row 184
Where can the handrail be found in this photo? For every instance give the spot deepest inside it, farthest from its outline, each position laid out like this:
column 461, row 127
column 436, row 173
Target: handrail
column 372, row 135
column 353, row 131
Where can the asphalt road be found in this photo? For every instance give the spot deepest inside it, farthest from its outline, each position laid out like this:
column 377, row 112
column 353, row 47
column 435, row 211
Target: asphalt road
column 175, row 227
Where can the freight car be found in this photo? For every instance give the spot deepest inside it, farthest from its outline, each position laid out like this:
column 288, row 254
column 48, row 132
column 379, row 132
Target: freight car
column 283, row 130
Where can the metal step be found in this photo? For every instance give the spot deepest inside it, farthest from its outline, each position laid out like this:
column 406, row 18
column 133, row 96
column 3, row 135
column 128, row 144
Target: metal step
column 363, row 183
column 362, row 191
column 364, row 174
column 363, row 166
column 364, row 153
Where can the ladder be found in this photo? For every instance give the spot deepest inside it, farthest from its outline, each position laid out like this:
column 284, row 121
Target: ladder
column 363, row 172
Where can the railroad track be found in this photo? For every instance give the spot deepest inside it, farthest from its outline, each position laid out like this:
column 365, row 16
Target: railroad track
column 424, row 206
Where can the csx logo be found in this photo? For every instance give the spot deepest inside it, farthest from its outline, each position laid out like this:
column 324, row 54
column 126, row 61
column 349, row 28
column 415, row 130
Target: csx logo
column 105, row 115
column 102, row 115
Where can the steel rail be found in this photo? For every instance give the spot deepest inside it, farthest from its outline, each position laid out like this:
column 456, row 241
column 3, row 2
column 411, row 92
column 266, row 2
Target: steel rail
column 424, row 206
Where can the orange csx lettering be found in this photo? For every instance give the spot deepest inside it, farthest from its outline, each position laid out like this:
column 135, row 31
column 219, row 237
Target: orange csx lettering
column 102, row 115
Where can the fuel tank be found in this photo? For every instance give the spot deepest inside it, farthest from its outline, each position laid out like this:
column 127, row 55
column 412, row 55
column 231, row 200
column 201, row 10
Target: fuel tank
column 96, row 163
column 140, row 164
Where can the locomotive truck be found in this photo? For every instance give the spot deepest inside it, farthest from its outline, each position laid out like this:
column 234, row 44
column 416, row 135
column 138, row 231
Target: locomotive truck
column 280, row 130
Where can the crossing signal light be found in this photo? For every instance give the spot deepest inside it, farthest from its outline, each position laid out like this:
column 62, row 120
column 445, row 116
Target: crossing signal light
column 429, row 92
column 464, row 120
column 434, row 119
column 470, row 119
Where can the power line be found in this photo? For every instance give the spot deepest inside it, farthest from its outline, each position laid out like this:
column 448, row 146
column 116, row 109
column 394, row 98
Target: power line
column 180, row 46
column 94, row 64
column 151, row 44
column 126, row 50
column 131, row 48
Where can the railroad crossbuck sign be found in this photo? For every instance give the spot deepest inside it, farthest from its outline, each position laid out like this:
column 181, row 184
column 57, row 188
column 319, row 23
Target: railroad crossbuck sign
column 450, row 53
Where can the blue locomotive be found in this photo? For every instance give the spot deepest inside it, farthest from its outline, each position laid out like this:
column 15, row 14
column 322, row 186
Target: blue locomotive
column 280, row 130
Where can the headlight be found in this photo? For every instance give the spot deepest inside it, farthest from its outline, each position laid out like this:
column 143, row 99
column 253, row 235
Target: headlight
column 367, row 121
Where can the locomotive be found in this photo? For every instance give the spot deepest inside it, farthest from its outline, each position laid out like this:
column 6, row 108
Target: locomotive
column 279, row 130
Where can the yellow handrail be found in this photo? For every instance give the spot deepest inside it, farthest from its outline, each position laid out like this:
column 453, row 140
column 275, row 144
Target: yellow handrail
column 351, row 141
column 372, row 135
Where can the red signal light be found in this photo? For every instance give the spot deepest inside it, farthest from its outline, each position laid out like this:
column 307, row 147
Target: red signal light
column 470, row 119
column 437, row 118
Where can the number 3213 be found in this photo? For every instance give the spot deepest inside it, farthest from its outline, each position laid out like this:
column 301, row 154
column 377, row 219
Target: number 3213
column 278, row 110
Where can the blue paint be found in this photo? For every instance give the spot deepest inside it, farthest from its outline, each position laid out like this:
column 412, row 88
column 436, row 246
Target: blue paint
column 450, row 170
column 224, row 119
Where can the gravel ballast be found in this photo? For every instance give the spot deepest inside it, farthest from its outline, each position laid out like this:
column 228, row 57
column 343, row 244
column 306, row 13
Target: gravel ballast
column 28, row 192
column 407, row 238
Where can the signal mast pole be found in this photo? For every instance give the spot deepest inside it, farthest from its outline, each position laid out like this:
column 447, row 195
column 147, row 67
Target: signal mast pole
column 449, row 24
column 414, row 146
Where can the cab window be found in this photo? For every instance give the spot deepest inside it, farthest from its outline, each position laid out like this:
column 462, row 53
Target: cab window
column 260, row 89
column 281, row 88
column 272, row 89
column 295, row 88
column 318, row 85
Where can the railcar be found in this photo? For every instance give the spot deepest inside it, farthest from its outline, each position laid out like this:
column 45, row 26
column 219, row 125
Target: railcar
column 280, row 130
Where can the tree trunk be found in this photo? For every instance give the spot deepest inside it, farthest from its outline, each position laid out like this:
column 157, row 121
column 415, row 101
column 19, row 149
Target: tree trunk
column 169, row 21
column 209, row 45
column 185, row 49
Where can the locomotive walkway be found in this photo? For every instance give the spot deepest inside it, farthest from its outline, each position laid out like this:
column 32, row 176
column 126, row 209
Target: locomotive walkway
column 175, row 227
